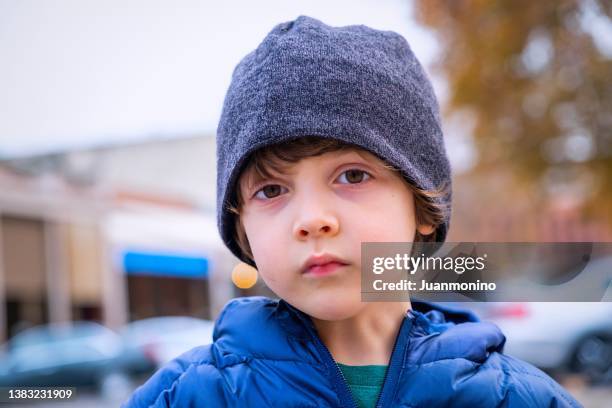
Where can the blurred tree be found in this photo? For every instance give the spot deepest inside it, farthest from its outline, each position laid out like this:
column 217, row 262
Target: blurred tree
column 536, row 78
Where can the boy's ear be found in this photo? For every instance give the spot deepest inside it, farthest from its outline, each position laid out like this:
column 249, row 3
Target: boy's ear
column 425, row 229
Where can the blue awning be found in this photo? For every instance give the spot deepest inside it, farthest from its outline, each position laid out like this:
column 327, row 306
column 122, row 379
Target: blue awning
column 163, row 264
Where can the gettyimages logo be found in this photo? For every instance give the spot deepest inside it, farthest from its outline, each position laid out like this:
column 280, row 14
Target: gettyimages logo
column 411, row 264
column 487, row 271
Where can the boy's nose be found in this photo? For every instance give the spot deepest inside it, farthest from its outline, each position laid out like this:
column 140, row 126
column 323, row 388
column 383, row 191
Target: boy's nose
column 314, row 227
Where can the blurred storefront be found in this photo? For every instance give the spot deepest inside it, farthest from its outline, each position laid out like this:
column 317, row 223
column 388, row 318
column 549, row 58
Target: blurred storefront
column 52, row 254
column 111, row 235
column 173, row 262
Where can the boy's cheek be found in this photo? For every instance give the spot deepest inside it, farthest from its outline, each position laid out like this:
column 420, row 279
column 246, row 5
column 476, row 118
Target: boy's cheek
column 262, row 252
column 271, row 279
column 268, row 249
column 386, row 231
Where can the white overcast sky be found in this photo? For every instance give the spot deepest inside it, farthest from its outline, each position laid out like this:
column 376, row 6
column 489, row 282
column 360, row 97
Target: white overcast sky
column 79, row 73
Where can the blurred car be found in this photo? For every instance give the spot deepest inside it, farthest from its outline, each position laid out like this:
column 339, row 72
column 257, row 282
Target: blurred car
column 152, row 342
column 557, row 336
column 561, row 336
column 67, row 354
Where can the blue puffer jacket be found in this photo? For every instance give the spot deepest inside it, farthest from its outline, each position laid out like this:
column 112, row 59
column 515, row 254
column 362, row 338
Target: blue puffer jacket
column 267, row 353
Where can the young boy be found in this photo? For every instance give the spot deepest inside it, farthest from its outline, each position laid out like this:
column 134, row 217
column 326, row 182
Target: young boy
column 329, row 137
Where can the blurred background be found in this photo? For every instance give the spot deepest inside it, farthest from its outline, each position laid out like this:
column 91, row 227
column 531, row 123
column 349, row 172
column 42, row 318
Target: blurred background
column 110, row 260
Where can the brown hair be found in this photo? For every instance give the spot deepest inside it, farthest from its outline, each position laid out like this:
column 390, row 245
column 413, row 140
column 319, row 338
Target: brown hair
column 278, row 157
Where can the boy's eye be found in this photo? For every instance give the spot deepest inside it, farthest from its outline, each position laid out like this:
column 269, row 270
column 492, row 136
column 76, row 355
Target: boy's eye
column 353, row 176
column 269, row 191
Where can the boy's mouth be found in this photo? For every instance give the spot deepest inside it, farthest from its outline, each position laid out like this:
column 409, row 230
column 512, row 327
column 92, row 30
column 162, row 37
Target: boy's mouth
column 322, row 264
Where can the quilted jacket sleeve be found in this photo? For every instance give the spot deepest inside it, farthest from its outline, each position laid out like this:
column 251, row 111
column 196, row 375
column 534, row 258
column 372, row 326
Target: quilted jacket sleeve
column 188, row 380
column 533, row 388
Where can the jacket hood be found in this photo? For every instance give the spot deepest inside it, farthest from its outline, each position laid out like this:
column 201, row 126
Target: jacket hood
column 265, row 328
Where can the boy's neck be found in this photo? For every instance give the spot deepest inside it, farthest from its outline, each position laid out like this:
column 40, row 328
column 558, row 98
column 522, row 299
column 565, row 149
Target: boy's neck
column 366, row 338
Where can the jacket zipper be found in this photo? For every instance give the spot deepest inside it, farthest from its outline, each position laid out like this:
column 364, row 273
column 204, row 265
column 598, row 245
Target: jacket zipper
column 391, row 375
column 346, row 398
column 340, row 383
column 395, row 363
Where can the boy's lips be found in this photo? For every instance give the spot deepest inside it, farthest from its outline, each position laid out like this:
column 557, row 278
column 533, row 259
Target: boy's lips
column 322, row 264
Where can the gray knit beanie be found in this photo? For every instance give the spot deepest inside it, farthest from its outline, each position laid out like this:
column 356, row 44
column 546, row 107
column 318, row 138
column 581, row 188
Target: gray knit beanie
column 354, row 84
